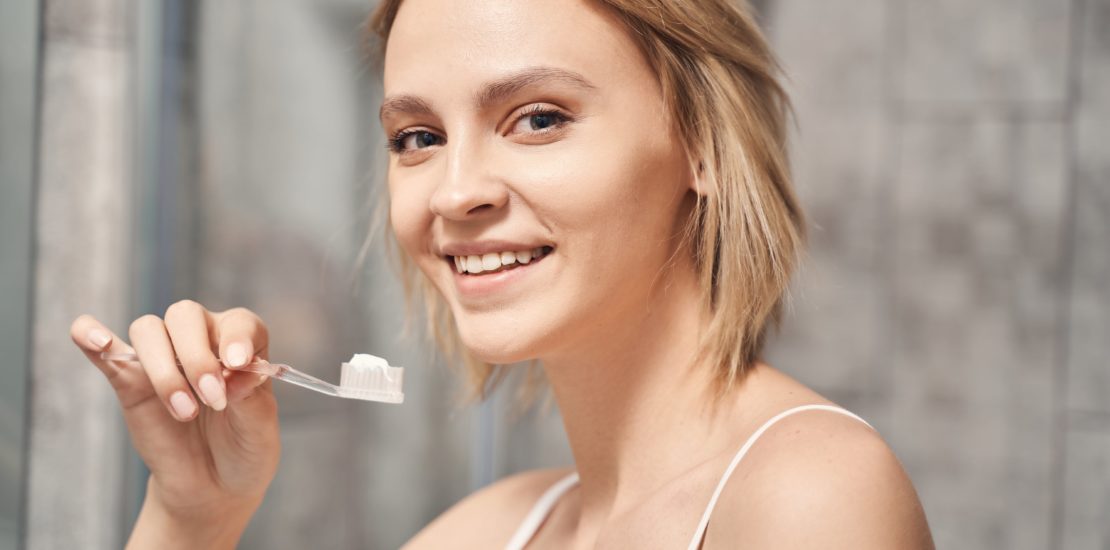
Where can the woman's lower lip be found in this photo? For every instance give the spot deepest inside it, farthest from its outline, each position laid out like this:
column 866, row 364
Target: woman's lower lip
column 477, row 286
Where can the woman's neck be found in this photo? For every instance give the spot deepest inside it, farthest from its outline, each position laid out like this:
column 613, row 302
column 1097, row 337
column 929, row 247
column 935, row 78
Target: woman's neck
column 633, row 403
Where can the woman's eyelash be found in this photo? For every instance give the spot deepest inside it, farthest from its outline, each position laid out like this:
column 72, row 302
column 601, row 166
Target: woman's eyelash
column 537, row 110
column 396, row 142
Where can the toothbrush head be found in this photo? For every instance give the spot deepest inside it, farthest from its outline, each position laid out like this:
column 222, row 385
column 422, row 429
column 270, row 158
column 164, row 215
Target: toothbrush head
column 371, row 378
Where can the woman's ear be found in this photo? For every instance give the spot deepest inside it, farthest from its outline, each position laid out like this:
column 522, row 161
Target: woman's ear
column 698, row 183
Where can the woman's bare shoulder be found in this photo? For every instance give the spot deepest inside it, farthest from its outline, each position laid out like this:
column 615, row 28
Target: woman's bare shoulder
column 819, row 479
column 489, row 516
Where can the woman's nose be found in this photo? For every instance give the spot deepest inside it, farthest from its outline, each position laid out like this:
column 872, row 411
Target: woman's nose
column 467, row 189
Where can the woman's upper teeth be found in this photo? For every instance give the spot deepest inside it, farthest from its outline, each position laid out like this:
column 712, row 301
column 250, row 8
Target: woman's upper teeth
column 494, row 260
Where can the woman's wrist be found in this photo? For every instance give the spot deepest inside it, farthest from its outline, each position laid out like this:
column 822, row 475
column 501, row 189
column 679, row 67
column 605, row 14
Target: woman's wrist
column 162, row 527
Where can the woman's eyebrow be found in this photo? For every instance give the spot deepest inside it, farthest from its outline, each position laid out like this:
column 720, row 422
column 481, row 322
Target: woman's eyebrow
column 492, row 93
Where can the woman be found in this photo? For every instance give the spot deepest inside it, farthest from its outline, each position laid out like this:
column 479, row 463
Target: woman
column 601, row 186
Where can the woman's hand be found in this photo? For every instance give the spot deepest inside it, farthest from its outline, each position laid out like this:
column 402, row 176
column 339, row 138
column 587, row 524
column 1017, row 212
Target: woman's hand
column 210, row 458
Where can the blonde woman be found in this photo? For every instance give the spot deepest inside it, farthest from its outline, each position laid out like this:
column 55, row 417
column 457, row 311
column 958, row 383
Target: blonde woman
column 601, row 186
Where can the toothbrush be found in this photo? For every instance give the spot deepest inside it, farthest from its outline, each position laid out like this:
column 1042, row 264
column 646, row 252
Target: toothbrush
column 364, row 377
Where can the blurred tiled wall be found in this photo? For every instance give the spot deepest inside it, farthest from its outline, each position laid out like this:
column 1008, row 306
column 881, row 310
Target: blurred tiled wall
column 954, row 159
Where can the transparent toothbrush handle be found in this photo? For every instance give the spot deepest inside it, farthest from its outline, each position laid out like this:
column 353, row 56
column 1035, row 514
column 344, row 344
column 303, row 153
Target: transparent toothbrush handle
column 276, row 370
column 291, row 375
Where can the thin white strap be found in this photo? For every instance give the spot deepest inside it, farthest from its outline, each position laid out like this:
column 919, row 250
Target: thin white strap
column 539, row 512
column 696, row 541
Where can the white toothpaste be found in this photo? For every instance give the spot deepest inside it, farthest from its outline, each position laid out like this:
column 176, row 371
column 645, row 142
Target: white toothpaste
column 370, row 377
column 365, row 360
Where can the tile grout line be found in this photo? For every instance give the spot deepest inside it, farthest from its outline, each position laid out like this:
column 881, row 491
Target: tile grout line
column 889, row 167
column 1066, row 274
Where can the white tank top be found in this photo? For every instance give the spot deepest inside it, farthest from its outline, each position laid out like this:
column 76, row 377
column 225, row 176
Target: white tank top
column 546, row 503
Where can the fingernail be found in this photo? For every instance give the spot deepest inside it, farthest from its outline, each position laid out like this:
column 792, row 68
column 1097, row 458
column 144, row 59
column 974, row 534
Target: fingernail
column 236, row 355
column 213, row 392
column 99, row 338
column 182, row 405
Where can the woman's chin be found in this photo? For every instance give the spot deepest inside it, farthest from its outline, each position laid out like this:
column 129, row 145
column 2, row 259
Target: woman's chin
column 499, row 347
column 496, row 354
column 512, row 335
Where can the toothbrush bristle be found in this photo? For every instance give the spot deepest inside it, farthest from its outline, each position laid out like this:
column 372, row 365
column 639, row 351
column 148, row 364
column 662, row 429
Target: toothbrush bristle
column 369, row 377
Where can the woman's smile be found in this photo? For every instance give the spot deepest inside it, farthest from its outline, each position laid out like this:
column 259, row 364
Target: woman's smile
column 479, row 275
column 494, row 262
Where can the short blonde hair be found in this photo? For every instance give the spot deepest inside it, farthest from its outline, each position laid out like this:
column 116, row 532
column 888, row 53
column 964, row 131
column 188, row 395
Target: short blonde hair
column 720, row 84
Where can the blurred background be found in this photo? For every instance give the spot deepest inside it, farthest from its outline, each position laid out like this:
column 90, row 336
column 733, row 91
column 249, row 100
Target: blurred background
column 952, row 156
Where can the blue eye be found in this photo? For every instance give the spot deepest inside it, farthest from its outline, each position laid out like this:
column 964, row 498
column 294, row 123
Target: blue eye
column 423, row 139
column 540, row 120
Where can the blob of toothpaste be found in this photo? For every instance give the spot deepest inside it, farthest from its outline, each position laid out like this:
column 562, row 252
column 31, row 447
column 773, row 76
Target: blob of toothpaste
column 371, row 378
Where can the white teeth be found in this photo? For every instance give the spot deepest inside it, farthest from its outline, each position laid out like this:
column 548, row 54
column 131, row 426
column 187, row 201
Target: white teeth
column 495, row 260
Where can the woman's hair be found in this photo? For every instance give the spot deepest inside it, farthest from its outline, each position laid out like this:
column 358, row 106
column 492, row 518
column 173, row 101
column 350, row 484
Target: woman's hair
column 719, row 81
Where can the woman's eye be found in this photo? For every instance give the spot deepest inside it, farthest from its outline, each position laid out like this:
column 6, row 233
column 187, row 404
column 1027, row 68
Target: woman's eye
column 411, row 140
column 540, row 120
column 537, row 120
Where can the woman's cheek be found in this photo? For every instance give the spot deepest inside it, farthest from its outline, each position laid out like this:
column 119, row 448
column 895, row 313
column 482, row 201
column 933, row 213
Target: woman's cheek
column 411, row 222
column 400, row 221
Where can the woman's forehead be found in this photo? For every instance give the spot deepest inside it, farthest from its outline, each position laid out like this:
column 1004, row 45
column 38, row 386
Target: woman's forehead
column 477, row 41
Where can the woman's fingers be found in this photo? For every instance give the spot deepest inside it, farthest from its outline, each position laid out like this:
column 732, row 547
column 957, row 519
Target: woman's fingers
column 189, row 334
column 188, row 324
column 93, row 338
column 241, row 385
column 156, row 354
column 242, row 337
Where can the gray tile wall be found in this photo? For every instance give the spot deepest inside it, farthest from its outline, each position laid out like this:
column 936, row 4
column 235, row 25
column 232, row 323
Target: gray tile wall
column 949, row 154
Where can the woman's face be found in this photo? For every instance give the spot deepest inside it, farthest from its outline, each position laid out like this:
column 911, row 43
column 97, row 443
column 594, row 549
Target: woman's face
column 533, row 146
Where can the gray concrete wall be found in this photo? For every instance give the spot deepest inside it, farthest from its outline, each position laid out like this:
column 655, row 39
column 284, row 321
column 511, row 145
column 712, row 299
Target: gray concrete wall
column 82, row 251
